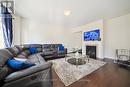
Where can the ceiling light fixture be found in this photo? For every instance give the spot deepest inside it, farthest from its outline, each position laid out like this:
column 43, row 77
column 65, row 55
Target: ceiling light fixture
column 67, row 13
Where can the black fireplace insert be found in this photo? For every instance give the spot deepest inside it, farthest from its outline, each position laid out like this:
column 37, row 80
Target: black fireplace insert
column 91, row 51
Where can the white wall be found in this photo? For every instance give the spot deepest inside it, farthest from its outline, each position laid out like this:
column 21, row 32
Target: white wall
column 16, row 30
column 38, row 32
column 117, row 35
column 77, row 36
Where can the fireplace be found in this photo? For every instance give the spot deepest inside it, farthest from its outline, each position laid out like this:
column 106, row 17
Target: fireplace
column 91, row 51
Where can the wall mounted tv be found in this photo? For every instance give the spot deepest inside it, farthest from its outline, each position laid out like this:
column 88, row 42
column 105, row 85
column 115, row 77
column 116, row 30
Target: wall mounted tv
column 92, row 35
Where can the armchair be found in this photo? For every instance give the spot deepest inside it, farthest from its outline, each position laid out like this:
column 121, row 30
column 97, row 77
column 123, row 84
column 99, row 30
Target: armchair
column 122, row 57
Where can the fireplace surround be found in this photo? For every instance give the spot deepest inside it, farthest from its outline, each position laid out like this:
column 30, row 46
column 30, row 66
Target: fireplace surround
column 91, row 51
column 99, row 48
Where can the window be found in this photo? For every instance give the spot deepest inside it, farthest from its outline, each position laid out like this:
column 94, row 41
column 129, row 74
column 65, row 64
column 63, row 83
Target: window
column 1, row 36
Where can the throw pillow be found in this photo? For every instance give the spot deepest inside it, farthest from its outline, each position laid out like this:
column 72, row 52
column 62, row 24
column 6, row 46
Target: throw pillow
column 33, row 50
column 18, row 65
column 61, row 48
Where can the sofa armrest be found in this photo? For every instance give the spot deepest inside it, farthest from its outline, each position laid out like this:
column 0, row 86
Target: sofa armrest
column 29, row 71
column 65, row 51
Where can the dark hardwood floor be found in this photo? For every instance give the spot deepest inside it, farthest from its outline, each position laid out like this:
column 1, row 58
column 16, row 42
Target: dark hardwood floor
column 110, row 75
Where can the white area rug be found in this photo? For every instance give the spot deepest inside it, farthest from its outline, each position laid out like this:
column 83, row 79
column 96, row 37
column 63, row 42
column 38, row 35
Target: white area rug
column 69, row 73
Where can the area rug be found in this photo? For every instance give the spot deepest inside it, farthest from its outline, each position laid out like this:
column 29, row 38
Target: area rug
column 69, row 73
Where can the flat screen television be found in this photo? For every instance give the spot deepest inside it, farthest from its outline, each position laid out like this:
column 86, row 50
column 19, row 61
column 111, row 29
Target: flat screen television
column 92, row 35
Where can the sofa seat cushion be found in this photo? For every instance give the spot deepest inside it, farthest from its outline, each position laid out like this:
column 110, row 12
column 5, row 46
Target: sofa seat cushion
column 47, row 53
column 26, row 53
column 36, row 58
column 4, row 71
column 61, row 52
column 21, row 56
column 46, row 50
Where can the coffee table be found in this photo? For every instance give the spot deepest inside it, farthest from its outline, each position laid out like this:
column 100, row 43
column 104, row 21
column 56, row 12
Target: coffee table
column 76, row 60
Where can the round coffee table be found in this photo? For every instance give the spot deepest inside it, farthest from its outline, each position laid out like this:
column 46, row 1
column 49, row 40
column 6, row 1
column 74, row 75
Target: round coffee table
column 75, row 61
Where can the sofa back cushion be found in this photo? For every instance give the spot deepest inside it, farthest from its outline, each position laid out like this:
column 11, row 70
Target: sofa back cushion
column 32, row 45
column 28, row 46
column 36, row 45
column 19, row 47
column 57, row 45
column 4, row 69
column 14, row 50
column 4, row 56
column 48, row 47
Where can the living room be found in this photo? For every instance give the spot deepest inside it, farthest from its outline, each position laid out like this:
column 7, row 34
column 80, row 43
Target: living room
column 64, row 26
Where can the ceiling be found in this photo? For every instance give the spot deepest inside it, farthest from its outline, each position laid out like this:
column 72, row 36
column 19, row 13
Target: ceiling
column 82, row 11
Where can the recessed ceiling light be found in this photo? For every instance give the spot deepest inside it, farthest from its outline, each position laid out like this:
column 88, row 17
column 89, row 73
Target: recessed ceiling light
column 67, row 13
